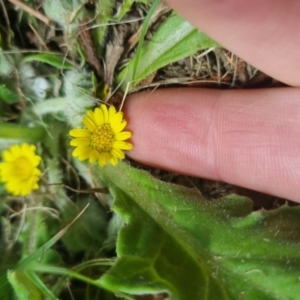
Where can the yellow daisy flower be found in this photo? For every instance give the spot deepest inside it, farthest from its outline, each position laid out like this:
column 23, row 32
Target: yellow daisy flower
column 103, row 139
column 19, row 169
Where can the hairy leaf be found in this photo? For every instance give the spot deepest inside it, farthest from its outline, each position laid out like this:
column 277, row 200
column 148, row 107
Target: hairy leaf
column 23, row 286
column 177, row 242
column 174, row 40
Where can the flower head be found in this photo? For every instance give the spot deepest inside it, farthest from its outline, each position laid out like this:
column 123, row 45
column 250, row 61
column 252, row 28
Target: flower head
column 19, row 169
column 103, row 139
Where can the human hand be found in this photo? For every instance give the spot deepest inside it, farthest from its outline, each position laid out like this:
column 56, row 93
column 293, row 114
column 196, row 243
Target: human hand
column 249, row 138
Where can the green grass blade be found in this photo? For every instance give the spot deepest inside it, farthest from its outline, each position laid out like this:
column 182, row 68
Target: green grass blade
column 44, row 268
column 39, row 253
column 41, row 286
column 52, row 59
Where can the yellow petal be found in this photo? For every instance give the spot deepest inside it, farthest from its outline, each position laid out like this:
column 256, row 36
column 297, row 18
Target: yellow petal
column 82, row 152
column 8, row 156
column 7, row 171
column 117, row 118
column 24, row 189
column 93, row 156
column 117, row 153
column 36, row 172
column 79, row 132
column 113, row 160
column 124, row 135
column 35, row 160
column 76, row 152
column 28, row 148
column 98, row 117
column 102, row 159
column 90, row 114
column 89, row 124
column 16, row 151
column 118, row 127
column 32, row 183
column 105, row 113
column 13, row 187
column 122, row 145
column 111, row 113
column 80, row 142
column 25, row 147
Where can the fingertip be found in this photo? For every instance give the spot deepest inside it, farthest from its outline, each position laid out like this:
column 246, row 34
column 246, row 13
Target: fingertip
column 263, row 33
column 170, row 131
column 246, row 138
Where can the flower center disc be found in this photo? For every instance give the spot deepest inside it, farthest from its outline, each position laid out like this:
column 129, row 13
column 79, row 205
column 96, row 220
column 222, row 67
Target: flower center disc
column 23, row 168
column 102, row 138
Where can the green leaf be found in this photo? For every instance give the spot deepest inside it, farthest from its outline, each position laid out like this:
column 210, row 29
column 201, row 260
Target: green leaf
column 23, row 286
column 174, row 40
column 125, row 8
column 142, row 37
column 7, row 95
column 20, row 132
column 51, row 59
column 144, row 1
column 7, row 63
column 177, row 242
column 103, row 17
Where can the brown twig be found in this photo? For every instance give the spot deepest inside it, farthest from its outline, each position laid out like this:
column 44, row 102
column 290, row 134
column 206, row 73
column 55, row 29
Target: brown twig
column 31, row 11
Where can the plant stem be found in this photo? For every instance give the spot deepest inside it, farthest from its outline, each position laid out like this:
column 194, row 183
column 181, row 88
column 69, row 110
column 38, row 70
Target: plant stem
column 14, row 131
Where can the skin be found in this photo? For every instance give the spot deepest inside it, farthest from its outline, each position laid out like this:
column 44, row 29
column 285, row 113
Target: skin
column 249, row 138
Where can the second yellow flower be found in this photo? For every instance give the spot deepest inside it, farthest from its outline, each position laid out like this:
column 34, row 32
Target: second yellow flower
column 103, row 139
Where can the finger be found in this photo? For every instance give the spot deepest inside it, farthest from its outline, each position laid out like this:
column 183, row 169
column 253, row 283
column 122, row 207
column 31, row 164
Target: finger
column 246, row 138
column 263, row 33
